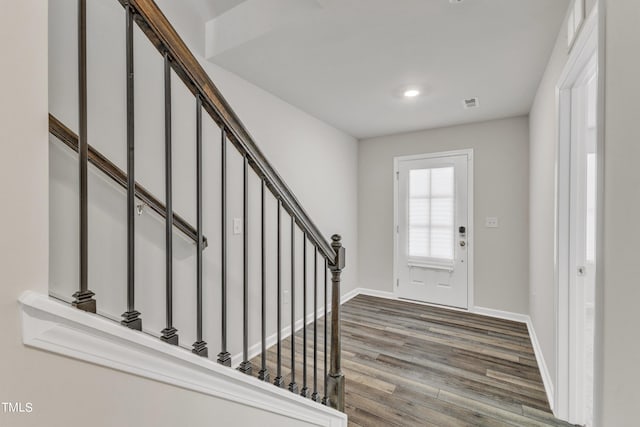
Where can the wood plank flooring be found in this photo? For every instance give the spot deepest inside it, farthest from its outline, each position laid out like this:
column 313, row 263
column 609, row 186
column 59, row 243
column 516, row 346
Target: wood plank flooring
column 413, row 365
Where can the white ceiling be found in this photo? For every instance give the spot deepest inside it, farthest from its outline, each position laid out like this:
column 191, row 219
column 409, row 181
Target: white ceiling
column 348, row 61
column 209, row 9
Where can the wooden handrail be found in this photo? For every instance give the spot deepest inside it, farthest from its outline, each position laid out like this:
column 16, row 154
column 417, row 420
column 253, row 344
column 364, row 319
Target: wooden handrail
column 70, row 139
column 161, row 33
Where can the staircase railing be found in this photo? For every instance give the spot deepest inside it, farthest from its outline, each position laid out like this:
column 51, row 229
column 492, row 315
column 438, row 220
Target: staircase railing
column 177, row 57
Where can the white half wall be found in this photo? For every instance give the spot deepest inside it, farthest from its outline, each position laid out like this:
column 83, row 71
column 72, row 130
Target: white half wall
column 501, row 182
column 56, row 327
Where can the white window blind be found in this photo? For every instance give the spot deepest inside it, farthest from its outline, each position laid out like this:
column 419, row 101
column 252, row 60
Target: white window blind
column 431, row 214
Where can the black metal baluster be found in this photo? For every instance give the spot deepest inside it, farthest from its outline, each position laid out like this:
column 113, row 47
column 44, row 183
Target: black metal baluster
column 326, row 321
column 264, row 372
column 293, row 387
column 315, row 396
column 131, row 316
column 245, row 367
column 279, row 381
column 169, row 334
column 305, row 389
column 200, row 346
column 83, row 299
column 224, row 358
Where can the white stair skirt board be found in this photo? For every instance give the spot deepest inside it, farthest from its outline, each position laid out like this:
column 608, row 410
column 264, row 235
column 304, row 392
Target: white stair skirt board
column 54, row 326
column 499, row 314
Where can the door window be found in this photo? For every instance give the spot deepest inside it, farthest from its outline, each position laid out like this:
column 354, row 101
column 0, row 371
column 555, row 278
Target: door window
column 431, row 215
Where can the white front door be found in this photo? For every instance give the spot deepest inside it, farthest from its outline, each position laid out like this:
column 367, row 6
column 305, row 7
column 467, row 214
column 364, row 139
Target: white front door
column 432, row 241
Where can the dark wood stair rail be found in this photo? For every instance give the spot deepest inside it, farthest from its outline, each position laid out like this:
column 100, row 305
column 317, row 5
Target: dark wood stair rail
column 177, row 57
column 104, row 165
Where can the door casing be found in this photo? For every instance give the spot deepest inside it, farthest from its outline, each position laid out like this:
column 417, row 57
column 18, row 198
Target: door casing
column 584, row 54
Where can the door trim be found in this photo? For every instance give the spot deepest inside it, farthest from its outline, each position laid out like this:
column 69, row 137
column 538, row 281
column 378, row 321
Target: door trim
column 586, row 46
column 470, row 224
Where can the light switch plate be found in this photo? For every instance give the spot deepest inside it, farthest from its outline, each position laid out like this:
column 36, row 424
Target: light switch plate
column 237, row 225
column 491, row 222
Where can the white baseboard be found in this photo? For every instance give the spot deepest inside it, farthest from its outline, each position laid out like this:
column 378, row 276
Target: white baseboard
column 501, row 314
column 375, row 293
column 542, row 365
column 271, row 340
column 350, row 295
column 56, row 327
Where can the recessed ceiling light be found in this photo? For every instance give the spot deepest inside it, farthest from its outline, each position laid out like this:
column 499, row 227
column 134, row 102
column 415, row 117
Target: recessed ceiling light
column 411, row 93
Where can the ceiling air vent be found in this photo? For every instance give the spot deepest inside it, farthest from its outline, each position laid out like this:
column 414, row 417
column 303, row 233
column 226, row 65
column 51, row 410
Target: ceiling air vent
column 470, row 103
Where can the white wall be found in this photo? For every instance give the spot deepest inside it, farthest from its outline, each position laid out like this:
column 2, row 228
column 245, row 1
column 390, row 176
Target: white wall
column 317, row 161
column 501, row 183
column 542, row 160
column 618, row 370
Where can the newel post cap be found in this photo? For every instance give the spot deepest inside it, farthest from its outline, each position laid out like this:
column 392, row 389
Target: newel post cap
column 336, row 244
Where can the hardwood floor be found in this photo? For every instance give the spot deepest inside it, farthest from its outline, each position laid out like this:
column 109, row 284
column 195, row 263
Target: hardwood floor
column 413, row 365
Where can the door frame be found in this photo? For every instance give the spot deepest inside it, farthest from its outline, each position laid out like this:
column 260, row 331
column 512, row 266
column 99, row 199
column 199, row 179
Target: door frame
column 470, row 226
column 585, row 50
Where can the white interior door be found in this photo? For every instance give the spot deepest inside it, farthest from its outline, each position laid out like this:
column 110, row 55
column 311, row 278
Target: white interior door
column 582, row 242
column 432, row 229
